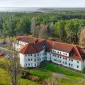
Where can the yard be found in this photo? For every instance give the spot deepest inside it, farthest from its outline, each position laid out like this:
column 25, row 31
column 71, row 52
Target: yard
column 70, row 74
column 4, row 77
column 41, row 74
column 72, row 78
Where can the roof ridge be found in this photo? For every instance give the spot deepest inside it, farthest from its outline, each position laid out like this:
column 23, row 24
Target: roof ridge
column 77, row 51
column 33, row 47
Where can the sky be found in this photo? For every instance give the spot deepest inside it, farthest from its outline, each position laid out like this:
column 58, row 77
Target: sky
column 42, row 3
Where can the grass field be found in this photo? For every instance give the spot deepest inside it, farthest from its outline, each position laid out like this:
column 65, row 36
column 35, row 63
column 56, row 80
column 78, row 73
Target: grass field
column 41, row 74
column 61, row 70
column 4, row 77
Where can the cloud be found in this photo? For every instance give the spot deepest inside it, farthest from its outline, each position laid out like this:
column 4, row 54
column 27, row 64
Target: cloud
column 5, row 3
column 49, row 3
column 42, row 3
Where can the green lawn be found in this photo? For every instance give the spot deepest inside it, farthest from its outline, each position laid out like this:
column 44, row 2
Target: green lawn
column 5, row 80
column 61, row 70
column 2, row 60
column 41, row 74
column 4, row 77
column 67, row 82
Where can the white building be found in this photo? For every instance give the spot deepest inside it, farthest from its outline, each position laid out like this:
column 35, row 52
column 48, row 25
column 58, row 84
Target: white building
column 33, row 51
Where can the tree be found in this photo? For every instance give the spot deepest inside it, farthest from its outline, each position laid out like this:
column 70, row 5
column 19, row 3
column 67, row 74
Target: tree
column 33, row 27
column 23, row 26
column 13, row 67
column 51, row 28
column 9, row 26
column 69, row 27
column 59, row 29
column 82, row 37
column 37, row 31
column 43, row 33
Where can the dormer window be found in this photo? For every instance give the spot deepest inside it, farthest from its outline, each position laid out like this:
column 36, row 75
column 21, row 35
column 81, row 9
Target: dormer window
column 77, row 61
column 54, row 55
column 71, row 59
column 58, row 52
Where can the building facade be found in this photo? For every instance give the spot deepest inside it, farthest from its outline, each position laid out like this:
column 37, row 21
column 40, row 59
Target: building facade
column 32, row 51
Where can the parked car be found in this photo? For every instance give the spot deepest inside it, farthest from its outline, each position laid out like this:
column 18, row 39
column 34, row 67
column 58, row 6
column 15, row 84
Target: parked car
column 1, row 53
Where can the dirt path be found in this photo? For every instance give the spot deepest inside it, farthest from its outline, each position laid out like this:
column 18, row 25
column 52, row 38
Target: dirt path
column 82, row 81
column 61, row 76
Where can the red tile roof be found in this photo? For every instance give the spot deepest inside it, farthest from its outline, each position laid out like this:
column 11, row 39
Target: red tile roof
column 31, row 48
column 26, row 39
column 36, row 45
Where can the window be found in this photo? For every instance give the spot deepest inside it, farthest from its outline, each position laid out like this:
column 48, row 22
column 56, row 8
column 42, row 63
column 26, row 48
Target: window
column 71, row 59
column 35, row 64
column 35, row 59
column 60, row 61
column 54, row 59
column 77, row 61
column 53, row 51
column 38, row 54
column 26, row 64
column 60, row 56
column 28, row 59
column 69, row 64
column 77, row 66
column 57, row 52
column 31, row 59
column 65, row 62
column 28, row 54
column 54, row 55
column 35, row 55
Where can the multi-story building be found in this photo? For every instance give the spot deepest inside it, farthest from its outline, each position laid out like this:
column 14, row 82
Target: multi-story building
column 33, row 51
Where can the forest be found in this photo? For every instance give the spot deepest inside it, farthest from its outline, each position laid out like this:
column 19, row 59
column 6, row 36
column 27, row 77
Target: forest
column 63, row 25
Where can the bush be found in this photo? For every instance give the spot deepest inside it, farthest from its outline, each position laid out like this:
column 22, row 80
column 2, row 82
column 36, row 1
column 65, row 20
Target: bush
column 25, row 74
column 33, row 78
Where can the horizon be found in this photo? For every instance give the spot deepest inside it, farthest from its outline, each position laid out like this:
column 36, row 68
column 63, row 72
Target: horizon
column 32, row 9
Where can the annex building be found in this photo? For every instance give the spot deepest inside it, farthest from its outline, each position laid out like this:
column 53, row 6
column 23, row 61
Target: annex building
column 32, row 51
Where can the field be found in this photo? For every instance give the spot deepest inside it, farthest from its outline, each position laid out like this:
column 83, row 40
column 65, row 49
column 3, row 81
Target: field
column 72, row 78
column 75, row 76
column 41, row 74
column 4, row 77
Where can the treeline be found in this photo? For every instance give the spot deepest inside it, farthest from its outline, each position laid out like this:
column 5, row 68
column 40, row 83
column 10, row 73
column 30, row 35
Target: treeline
column 64, row 25
column 69, row 30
